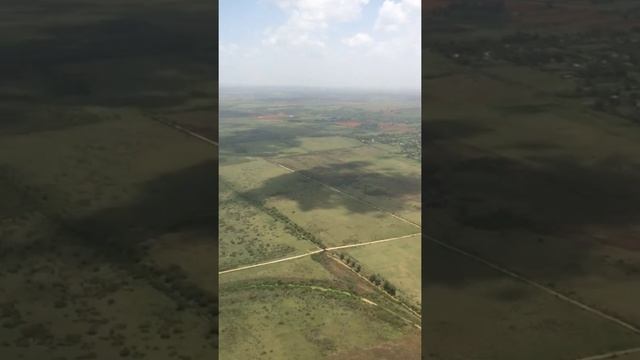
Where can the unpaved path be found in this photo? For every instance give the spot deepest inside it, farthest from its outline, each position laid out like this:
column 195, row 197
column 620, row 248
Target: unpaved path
column 486, row 262
column 271, row 262
column 185, row 130
column 315, row 252
column 371, row 242
column 450, row 247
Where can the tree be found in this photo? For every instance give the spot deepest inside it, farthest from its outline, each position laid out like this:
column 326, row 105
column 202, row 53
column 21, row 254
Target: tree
column 389, row 288
column 374, row 278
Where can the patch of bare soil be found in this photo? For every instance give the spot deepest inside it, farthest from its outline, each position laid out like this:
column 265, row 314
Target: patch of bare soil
column 394, row 128
column 279, row 117
column 349, row 123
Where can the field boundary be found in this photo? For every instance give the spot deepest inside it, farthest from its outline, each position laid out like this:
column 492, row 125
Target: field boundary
column 490, row 264
column 371, row 242
column 335, row 189
column 184, row 130
column 316, row 252
column 271, row 262
column 319, row 151
column 535, row 284
column 383, row 292
column 419, row 316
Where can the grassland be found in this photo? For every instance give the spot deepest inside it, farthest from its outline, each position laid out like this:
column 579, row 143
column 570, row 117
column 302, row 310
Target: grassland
column 309, row 302
column 299, row 270
column 493, row 316
column 96, row 194
column 251, row 235
column 280, row 323
column 309, row 307
column 396, row 262
column 369, row 173
column 72, row 304
column 531, row 174
column 334, row 218
column 69, row 249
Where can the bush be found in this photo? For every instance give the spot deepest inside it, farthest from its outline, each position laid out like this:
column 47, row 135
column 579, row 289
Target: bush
column 389, row 288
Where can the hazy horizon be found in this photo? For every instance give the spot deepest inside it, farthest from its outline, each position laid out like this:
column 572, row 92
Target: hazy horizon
column 350, row 44
column 320, row 88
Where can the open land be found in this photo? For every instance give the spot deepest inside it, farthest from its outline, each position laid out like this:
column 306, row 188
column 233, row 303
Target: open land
column 308, row 176
column 107, row 229
column 532, row 148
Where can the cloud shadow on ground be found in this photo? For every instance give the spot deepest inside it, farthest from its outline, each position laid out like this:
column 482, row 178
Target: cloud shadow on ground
column 548, row 197
column 294, row 186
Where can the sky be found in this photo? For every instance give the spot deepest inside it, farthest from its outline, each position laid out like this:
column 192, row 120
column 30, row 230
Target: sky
column 371, row 44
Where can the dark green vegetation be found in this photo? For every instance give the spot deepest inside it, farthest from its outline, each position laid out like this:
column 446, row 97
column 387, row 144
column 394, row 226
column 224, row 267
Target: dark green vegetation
column 303, row 170
column 533, row 149
column 96, row 195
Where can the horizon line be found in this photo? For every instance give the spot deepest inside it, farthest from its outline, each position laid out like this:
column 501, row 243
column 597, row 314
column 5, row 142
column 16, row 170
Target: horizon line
column 322, row 87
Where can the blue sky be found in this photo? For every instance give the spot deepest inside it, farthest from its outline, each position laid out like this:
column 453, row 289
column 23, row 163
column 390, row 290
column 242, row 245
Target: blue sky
column 327, row 43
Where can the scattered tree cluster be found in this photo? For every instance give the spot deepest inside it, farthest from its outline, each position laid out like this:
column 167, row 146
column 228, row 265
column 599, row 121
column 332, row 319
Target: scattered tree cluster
column 351, row 262
column 602, row 63
column 376, row 279
column 290, row 226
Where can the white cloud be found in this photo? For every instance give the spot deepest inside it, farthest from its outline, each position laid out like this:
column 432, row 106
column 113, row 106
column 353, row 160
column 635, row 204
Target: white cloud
column 233, row 50
column 416, row 4
column 310, row 47
column 358, row 39
column 228, row 49
column 393, row 15
column 398, row 26
column 319, row 10
column 309, row 18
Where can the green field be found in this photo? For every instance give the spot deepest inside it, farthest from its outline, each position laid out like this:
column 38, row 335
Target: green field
column 259, row 142
column 309, row 302
column 106, row 235
column 250, row 235
column 334, row 218
column 301, row 269
column 76, row 251
column 305, row 323
column 501, row 318
column 586, row 238
column 310, row 307
column 533, row 166
column 397, row 262
column 74, row 304
column 369, row 173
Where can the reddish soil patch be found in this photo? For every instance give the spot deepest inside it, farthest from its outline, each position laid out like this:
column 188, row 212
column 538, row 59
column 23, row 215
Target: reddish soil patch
column 349, row 123
column 408, row 347
column 272, row 117
column 391, row 127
